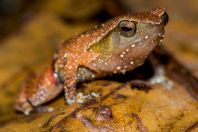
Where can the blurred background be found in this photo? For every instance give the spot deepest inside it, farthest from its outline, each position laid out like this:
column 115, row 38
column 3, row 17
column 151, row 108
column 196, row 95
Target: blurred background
column 30, row 31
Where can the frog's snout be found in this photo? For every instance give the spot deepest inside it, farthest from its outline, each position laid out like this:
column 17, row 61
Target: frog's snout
column 165, row 18
column 161, row 14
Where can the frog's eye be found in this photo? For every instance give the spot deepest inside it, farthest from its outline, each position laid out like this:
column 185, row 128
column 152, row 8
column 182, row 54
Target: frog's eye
column 127, row 28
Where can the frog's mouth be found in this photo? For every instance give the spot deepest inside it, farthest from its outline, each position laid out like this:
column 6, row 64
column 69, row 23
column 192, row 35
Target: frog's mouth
column 157, row 37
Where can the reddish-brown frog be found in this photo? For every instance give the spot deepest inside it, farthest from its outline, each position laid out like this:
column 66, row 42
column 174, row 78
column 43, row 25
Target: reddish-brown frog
column 117, row 46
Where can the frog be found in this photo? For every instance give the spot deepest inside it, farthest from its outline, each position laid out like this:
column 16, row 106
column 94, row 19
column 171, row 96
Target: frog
column 117, row 46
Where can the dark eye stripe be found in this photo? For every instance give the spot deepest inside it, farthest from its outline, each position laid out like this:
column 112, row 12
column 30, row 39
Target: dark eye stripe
column 127, row 29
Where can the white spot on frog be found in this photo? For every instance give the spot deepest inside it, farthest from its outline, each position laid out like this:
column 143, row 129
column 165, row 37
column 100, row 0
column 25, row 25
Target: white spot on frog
column 121, row 55
column 93, row 76
column 70, row 67
column 118, row 68
column 133, row 45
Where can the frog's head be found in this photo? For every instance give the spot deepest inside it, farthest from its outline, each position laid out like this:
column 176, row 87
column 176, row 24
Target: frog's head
column 144, row 28
column 132, row 37
column 139, row 33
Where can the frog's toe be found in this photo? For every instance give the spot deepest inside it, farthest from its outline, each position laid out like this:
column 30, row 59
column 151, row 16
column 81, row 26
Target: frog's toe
column 24, row 106
column 71, row 100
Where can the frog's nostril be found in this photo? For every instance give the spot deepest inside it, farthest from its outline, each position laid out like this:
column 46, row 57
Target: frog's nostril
column 165, row 18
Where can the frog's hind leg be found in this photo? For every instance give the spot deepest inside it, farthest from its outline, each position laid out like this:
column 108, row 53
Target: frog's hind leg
column 36, row 91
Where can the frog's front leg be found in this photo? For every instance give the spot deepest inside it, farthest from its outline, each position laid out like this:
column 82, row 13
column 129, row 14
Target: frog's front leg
column 70, row 80
column 73, row 61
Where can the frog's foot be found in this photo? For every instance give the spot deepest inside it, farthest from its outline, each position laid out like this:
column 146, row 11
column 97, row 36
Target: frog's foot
column 24, row 107
column 70, row 100
column 37, row 91
column 22, row 103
